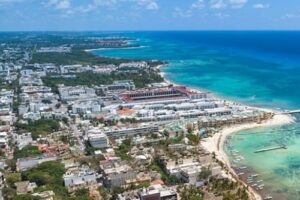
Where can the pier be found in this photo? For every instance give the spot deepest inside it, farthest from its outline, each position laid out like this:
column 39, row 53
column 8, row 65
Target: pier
column 291, row 112
column 270, row 149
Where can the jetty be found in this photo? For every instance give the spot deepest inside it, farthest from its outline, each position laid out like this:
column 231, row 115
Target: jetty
column 270, row 149
column 291, row 112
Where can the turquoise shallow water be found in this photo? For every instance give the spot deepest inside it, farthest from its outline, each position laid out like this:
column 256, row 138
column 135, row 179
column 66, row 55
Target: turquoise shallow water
column 256, row 68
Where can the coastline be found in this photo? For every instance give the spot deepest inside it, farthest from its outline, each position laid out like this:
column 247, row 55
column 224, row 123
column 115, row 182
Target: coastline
column 215, row 144
column 133, row 47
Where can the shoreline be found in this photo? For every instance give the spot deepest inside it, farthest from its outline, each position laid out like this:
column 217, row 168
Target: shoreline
column 215, row 144
column 114, row 48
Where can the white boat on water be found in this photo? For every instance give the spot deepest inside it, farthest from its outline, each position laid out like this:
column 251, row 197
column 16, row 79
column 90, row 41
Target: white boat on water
column 268, row 197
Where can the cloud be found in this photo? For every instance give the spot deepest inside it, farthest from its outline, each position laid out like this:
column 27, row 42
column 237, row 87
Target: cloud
column 178, row 12
column 96, row 4
column 237, row 3
column 290, row 16
column 222, row 4
column 198, row 5
column 221, row 15
column 217, row 4
column 59, row 4
column 68, row 7
column 212, row 5
column 147, row 4
column 261, row 6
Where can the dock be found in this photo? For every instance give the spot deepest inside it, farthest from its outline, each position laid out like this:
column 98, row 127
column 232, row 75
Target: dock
column 291, row 112
column 270, row 149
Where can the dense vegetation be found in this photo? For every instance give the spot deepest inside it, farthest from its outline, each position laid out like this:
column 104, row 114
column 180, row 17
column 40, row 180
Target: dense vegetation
column 77, row 56
column 40, row 127
column 123, row 149
column 48, row 176
column 27, row 151
column 140, row 79
column 190, row 193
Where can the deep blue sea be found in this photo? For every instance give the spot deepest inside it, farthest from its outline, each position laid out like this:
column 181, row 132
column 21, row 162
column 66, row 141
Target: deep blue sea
column 260, row 68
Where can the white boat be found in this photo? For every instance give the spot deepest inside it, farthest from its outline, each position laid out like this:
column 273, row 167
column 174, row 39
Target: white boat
column 268, row 198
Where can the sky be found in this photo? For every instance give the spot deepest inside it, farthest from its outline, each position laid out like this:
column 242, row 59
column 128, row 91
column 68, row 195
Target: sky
column 105, row 15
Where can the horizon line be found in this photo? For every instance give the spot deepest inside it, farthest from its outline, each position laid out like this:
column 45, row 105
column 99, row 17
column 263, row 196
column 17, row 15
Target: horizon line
column 156, row 30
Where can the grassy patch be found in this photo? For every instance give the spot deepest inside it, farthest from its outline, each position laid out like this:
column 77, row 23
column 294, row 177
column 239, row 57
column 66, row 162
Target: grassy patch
column 40, row 127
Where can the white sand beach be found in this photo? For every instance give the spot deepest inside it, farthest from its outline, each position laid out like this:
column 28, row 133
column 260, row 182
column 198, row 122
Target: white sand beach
column 216, row 142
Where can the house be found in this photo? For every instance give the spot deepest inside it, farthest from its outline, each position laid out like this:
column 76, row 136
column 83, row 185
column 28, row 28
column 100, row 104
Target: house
column 25, row 187
column 79, row 178
column 23, row 140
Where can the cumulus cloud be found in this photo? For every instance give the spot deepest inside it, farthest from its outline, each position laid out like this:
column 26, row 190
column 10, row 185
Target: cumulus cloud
column 221, row 15
column 217, row 4
column 198, row 4
column 210, row 4
column 148, row 4
column 237, row 3
column 68, row 8
column 261, row 6
column 178, row 12
column 59, row 4
column 290, row 16
column 221, row 4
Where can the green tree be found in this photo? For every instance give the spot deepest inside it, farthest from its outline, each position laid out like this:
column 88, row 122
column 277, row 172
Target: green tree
column 205, row 173
column 28, row 150
column 12, row 178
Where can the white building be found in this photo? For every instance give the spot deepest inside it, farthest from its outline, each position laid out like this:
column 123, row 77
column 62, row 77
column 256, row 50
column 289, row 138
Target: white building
column 23, row 140
column 97, row 138
column 76, row 93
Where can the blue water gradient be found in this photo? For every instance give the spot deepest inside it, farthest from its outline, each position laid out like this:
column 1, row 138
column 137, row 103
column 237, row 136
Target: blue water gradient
column 256, row 68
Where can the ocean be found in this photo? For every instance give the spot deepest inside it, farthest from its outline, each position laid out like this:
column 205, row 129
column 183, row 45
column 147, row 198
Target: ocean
column 259, row 68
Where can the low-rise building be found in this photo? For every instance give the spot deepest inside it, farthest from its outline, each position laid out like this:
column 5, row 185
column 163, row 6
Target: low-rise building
column 116, row 173
column 97, row 138
column 79, row 178
column 89, row 106
column 115, row 87
column 23, row 140
column 25, row 187
column 125, row 131
column 70, row 93
column 24, row 164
